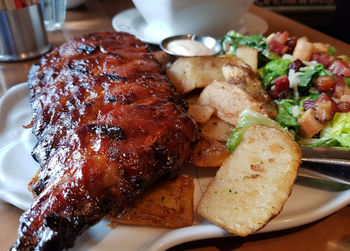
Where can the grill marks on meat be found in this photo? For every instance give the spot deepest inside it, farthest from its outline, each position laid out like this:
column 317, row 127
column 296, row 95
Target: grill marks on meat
column 108, row 125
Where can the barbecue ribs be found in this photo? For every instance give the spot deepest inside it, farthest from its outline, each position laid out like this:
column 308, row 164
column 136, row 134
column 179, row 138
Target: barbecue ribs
column 108, row 124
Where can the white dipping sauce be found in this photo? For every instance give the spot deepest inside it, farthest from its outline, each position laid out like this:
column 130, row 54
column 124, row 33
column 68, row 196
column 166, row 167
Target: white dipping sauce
column 187, row 47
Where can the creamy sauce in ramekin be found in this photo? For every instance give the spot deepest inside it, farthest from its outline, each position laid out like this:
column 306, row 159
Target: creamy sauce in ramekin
column 185, row 47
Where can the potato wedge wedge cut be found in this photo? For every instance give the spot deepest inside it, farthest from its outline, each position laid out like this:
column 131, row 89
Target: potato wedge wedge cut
column 168, row 204
column 254, row 182
column 200, row 113
column 230, row 100
column 190, row 73
column 217, row 129
column 209, row 153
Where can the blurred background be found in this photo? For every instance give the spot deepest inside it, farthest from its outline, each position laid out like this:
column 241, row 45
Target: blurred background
column 328, row 16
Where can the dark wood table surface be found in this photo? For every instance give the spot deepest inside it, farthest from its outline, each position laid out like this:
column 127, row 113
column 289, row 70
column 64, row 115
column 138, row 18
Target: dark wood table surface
column 331, row 233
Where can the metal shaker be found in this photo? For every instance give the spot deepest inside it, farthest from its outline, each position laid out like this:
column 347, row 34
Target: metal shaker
column 22, row 34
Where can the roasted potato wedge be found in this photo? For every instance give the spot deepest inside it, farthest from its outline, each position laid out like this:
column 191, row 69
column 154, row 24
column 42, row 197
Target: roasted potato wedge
column 209, row 153
column 217, row 129
column 254, row 182
column 229, row 100
column 200, row 113
column 243, row 77
column 169, row 204
column 190, row 73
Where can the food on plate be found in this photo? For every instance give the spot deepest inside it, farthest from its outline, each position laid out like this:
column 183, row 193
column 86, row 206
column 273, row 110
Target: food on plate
column 254, row 182
column 190, row 73
column 230, row 86
column 230, row 98
column 309, row 125
column 167, row 204
column 209, row 153
column 338, row 129
column 249, row 56
column 189, row 47
column 200, row 113
column 162, row 57
column 303, row 49
column 109, row 124
column 310, row 84
column 249, row 118
column 217, row 129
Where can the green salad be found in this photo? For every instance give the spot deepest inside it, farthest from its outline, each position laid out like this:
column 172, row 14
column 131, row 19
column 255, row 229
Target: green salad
column 307, row 81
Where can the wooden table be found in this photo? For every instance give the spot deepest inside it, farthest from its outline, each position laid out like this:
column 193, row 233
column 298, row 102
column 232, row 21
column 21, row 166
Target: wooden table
column 331, row 233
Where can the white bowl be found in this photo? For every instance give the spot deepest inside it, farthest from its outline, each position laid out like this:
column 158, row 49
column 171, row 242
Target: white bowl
column 201, row 17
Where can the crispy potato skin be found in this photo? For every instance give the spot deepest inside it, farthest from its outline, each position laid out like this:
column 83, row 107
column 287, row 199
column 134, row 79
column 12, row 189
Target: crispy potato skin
column 209, row 153
column 190, row 73
column 200, row 113
column 231, row 98
column 168, row 204
column 253, row 183
column 230, row 85
column 216, row 129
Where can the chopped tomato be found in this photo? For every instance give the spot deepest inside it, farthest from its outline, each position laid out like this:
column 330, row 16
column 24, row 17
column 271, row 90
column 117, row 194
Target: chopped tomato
column 281, row 88
column 340, row 68
column 322, row 58
column 278, row 48
column 281, row 83
column 281, row 37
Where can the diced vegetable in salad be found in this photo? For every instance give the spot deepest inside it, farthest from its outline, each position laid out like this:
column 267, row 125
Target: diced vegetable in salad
column 310, row 84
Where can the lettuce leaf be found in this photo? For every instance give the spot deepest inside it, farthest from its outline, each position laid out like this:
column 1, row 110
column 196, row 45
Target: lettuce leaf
column 235, row 39
column 338, row 128
column 331, row 51
column 347, row 81
column 274, row 69
column 310, row 72
column 248, row 118
column 345, row 58
column 232, row 40
column 285, row 115
column 319, row 142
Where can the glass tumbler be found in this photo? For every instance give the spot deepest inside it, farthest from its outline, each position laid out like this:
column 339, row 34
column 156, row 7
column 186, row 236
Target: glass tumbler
column 54, row 13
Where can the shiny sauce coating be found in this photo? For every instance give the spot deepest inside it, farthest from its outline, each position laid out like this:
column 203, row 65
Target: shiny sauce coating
column 108, row 124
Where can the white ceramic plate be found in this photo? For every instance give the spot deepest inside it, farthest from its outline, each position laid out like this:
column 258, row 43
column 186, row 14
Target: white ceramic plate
column 305, row 205
column 132, row 22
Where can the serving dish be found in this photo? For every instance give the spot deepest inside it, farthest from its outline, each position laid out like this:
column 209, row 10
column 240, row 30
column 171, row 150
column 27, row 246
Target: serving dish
column 131, row 21
column 306, row 204
column 202, row 17
column 209, row 42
